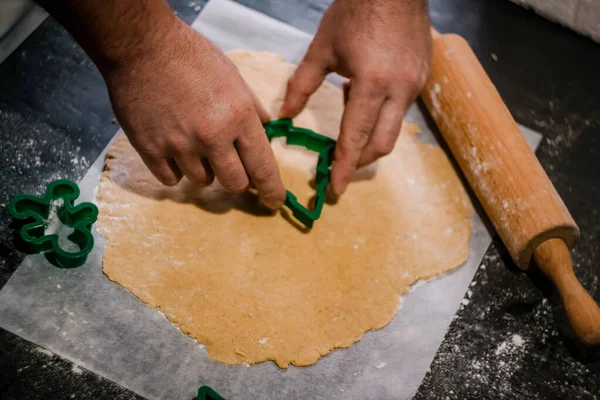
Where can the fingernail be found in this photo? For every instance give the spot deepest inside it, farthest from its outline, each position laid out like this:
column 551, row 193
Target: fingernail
column 331, row 196
column 273, row 205
column 340, row 189
column 288, row 111
column 282, row 113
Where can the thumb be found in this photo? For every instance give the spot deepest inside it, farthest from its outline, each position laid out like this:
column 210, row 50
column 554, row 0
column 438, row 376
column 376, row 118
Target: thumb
column 307, row 78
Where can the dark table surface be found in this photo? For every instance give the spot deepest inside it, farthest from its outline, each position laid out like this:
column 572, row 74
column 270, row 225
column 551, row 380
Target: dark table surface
column 55, row 118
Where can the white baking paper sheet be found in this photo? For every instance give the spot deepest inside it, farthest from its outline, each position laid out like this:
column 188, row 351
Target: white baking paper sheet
column 98, row 325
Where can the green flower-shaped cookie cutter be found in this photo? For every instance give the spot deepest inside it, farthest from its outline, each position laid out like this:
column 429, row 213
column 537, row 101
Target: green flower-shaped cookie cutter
column 313, row 141
column 31, row 212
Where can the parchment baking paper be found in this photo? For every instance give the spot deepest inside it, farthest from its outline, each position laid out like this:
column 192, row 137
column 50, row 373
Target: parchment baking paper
column 98, row 325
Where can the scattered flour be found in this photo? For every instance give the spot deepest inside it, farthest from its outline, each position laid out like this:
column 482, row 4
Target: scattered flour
column 76, row 369
column 437, row 107
column 501, row 349
column 53, row 222
column 381, row 365
column 511, row 345
column 44, row 351
column 517, row 340
column 193, row 5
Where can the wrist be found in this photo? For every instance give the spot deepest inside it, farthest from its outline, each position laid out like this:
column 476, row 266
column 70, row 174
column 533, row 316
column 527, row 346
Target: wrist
column 132, row 39
column 412, row 6
column 375, row 12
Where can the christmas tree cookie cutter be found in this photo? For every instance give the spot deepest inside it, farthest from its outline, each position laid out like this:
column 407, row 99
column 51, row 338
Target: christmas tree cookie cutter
column 312, row 141
column 31, row 213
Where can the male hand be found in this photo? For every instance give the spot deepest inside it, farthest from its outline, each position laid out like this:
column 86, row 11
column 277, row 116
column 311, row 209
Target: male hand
column 187, row 111
column 384, row 48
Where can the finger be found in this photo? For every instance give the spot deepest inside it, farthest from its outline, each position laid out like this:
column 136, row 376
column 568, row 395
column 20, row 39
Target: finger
column 258, row 158
column 358, row 121
column 210, row 174
column 196, row 169
column 263, row 114
column 346, row 90
column 385, row 134
column 307, row 78
column 165, row 170
column 330, row 196
column 229, row 170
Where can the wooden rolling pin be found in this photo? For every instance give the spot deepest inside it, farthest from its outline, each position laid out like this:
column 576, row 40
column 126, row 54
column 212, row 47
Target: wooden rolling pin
column 506, row 176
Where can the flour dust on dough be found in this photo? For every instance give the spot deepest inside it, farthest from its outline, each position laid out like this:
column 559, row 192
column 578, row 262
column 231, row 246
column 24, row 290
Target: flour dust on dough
column 249, row 284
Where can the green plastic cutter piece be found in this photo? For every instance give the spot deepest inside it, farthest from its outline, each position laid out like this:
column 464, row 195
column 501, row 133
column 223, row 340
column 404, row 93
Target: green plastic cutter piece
column 313, row 141
column 31, row 212
column 207, row 393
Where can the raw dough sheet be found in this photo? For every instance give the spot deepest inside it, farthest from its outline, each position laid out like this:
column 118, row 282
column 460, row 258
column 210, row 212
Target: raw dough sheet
column 249, row 284
column 98, row 325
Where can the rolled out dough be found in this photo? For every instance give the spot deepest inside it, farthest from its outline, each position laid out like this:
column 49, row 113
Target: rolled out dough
column 252, row 286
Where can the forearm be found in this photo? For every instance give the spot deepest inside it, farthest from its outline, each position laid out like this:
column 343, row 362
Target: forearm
column 407, row 6
column 113, row 30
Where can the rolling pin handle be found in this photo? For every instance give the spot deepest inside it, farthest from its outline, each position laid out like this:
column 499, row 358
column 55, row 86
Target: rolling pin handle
column 554, row 259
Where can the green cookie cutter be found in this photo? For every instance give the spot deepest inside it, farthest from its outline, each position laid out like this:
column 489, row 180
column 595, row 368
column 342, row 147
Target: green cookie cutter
column 207, row 393
column 314, row 142
column 30, row 213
